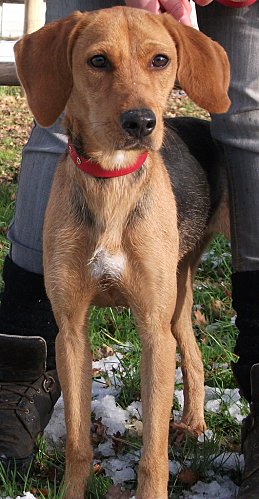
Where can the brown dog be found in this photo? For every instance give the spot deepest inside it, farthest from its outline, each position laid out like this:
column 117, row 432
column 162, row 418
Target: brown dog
column 135, row 238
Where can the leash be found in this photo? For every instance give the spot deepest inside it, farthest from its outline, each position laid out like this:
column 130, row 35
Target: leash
column 95, row 169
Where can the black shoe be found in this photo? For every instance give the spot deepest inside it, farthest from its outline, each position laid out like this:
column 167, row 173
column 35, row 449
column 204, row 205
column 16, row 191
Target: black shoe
column 27, row 396
column 25, row 308
column 245, row 294
column 249, row 488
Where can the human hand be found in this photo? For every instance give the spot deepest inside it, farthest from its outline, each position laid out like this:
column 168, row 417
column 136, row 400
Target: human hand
column 180, row 9
column 151, row 5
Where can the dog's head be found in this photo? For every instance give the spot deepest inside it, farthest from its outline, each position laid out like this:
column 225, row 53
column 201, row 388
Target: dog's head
column 113, row 71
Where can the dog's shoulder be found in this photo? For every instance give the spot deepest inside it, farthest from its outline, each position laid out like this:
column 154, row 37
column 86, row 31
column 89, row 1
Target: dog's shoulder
column 196, row 167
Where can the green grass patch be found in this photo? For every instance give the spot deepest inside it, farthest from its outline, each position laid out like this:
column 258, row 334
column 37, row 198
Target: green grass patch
column 13, row 91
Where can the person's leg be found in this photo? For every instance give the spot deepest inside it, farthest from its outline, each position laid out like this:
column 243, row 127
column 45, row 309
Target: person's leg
column 27, row 324
column 238, row 31
column 56, row 9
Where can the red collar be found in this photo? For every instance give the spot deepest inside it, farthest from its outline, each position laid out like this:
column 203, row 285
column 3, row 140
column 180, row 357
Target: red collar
column 95, row 170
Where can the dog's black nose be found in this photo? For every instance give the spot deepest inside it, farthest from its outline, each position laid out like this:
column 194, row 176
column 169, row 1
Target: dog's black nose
column 138, row 122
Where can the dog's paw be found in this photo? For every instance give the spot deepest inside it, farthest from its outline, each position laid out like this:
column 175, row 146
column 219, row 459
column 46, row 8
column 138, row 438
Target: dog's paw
column 181, row 431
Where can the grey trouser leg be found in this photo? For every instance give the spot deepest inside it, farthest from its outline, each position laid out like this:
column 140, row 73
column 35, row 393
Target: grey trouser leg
column 39, row 159
column 238, row 31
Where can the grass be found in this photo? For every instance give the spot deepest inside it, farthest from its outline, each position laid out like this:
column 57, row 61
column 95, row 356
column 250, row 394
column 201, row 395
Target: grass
column 116, row 329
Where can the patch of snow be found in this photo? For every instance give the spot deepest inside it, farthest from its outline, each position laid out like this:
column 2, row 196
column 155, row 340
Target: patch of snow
column 212, row 393
column 235, row 411
column 26, row 495
column 55, row 432
column 233, row 320
column 100, row 388
column 121, row 470
column 174, row 467
column 135, row 410
column 106, row 449
column 109, row 366
column 179, row 395
column 220, row 488
column 219, row 365
column 230, row 461
column 113, row 416
column 230, row 395
column 206, row 435
column 213, row 405
column 178, row 376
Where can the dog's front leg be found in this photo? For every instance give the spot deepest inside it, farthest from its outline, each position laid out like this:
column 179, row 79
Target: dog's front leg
column 157, row 384
column 74, row 364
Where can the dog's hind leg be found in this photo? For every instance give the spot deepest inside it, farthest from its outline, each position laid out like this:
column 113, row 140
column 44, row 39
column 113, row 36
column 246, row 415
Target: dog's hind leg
column 191, row 361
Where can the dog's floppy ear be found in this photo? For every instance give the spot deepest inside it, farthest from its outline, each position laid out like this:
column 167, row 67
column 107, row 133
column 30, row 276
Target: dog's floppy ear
column 43, row 67
column 203, row 66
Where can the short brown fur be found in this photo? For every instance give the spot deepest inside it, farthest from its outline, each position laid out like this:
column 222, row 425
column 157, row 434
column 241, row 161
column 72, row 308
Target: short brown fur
column 102, row 256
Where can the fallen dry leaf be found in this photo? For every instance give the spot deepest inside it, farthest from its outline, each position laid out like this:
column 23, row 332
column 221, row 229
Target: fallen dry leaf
column 115, row 492
column 118, row 443
column 200, row 319
column 97, row 469
column 136, row 429
column 103, row 352
column 216, row 306
column 188, row 477
column 96, row 372
column 43, row 492
column 98, row 432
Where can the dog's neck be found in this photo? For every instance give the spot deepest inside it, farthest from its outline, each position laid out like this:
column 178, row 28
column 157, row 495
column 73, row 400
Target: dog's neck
column 109, row 206
column 96, row 170
column 102, row 164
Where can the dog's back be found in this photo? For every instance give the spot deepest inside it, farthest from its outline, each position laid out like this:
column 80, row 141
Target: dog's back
column 196, row 166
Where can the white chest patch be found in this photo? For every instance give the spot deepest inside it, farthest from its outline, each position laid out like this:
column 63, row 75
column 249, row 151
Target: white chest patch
column 103, row 264
column 118, row 158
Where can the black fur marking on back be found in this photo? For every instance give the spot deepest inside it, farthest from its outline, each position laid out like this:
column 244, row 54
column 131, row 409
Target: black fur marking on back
column 195, row 164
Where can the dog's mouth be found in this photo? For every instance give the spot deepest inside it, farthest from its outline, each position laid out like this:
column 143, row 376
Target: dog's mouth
column 135, row 145
column 151, row 142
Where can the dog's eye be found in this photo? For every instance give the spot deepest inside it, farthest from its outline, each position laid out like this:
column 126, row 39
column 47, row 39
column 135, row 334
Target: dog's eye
column 160, row 61
column 99, row 61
